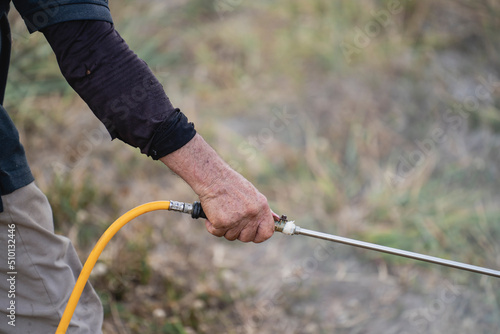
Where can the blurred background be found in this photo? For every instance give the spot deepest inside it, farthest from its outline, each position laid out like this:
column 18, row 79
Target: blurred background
column 375, row 120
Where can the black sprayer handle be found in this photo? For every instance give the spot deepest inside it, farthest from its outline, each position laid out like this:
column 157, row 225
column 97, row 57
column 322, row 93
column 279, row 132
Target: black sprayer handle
column 198, row 211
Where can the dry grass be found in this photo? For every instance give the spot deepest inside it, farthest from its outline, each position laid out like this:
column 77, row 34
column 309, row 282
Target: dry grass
column 394, row 141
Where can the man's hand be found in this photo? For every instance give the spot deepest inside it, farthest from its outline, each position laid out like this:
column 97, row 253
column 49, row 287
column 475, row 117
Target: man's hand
column 237, row 210
column 234, row 207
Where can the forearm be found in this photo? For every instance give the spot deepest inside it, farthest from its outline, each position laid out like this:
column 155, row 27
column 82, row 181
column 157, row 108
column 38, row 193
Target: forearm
column 198, row 164
column 118, row 86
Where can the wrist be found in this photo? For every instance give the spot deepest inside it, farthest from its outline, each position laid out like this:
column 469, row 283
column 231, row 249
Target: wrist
column 199, row 165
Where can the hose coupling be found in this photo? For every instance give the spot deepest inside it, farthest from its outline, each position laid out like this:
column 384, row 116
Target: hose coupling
column 195, row 209
column 181, row 207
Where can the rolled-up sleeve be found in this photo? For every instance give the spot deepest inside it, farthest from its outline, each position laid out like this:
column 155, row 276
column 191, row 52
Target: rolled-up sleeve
column 116, row 84
column 118, row 87
column 39, row 14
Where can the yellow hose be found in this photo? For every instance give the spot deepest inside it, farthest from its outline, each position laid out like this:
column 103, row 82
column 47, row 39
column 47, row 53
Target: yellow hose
column 96, row 252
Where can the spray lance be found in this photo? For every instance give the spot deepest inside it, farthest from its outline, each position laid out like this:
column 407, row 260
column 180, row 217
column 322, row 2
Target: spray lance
column 288, row 227
column 282, row 224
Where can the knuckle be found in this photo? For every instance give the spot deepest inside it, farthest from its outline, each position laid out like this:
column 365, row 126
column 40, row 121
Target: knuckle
column 244, row 239
column 215, row 232
column 263, row 237
column 265, row 232
column 223, row 222
column 262, row 200
column 259, row 206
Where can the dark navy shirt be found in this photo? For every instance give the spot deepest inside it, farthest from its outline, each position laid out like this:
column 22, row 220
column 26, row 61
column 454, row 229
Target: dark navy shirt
column 14, row 170
column 101, row 68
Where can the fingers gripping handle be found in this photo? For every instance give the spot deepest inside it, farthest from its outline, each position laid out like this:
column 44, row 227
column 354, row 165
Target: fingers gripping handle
column 281, row 224
column 196, row 211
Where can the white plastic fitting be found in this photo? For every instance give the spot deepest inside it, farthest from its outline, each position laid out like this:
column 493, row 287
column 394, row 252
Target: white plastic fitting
column 289, row 228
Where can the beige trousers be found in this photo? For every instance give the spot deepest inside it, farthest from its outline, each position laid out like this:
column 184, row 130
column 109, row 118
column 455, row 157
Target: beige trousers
column 38, row 270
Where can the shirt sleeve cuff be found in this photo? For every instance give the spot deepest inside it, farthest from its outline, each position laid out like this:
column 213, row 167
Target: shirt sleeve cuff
column 45, row 16
column 171, row 135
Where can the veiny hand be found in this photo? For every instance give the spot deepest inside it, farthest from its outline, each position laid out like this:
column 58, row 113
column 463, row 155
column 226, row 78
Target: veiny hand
column 237, row 210
column 234, row 207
